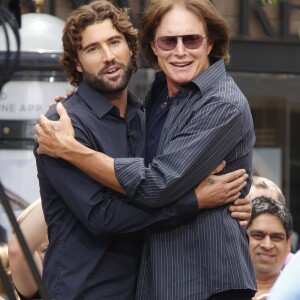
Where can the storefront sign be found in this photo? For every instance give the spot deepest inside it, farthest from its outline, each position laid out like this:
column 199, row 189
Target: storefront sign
column 285, row 11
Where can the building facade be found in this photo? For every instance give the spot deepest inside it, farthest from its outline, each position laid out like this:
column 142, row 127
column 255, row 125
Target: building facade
column 265, row 63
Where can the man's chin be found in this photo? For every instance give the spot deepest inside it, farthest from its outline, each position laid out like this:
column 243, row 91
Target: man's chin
column 113, row 87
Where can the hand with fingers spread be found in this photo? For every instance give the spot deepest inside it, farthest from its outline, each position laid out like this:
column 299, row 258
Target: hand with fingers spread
column 216, row 190
column 54, row 137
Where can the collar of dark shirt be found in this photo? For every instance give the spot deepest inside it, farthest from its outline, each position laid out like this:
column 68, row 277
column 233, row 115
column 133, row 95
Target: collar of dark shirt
column 102, row 106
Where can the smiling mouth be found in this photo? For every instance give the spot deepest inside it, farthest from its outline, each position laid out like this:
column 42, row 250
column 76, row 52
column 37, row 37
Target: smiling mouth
column 266, row 257
column 112, row 70
column 181, row 65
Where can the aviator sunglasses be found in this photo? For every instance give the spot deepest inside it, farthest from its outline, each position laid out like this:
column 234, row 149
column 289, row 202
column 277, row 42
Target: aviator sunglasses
column 190, row 41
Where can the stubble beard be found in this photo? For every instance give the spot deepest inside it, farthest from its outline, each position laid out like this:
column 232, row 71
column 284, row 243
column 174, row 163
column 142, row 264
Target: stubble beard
column 104, row 86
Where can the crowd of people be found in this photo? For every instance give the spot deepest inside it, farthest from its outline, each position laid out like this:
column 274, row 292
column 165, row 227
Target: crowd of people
column 153, row 205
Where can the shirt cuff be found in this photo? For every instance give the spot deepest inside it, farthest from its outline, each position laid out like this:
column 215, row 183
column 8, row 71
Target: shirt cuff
column 130, row 173
column 188, row 204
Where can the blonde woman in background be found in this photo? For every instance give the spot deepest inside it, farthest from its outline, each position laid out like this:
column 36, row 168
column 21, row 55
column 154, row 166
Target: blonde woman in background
column 34, row 229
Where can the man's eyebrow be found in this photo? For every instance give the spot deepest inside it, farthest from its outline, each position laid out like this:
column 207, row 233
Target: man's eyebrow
column 280, row 233
column 89, row 45
column 117, row 36
column 256, row 231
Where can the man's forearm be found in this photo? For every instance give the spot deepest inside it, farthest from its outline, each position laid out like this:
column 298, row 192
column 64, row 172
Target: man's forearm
column 96, row 164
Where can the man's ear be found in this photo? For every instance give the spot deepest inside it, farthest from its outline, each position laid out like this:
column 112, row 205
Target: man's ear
column 78, row 66
column 153, row 46
column 210, row 46
column 289, row 246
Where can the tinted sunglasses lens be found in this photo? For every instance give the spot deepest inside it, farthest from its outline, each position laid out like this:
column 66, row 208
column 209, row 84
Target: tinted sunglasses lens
column 167, row 43
column 193, row 41
column 190, row 41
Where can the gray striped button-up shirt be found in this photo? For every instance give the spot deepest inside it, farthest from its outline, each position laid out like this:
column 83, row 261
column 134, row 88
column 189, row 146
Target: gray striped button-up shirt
column 209, row 120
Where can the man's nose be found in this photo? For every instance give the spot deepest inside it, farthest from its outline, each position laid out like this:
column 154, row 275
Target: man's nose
column 267, row 243
column 107, row 55
column 180, row 48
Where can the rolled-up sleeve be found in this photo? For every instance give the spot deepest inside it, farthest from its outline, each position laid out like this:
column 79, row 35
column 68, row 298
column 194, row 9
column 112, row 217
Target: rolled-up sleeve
column 130, row 173
column 211, row 135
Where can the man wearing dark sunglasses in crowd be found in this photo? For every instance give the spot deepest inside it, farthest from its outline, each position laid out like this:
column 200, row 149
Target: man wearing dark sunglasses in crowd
column 196, row 117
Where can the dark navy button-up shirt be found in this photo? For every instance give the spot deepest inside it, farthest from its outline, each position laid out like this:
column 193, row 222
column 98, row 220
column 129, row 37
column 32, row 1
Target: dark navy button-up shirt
column 93, row 232
column 155, row 125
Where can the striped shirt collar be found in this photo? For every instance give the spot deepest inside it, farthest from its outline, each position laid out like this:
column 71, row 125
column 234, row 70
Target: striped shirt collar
column 211, row 76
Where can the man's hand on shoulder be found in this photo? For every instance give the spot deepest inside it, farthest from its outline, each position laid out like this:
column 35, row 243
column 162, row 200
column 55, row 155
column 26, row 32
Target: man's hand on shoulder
column 54, row 137
column 59, row 98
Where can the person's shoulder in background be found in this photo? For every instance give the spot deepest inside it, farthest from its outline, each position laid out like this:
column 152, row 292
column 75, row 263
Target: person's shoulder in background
column 287, row 285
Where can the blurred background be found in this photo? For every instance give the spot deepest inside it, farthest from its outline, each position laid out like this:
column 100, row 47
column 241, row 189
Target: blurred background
column 265, row 63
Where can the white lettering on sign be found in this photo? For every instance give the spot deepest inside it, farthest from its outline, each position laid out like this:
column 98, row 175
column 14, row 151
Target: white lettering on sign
column 26, row 100
column 30, row 107
column 7, row 108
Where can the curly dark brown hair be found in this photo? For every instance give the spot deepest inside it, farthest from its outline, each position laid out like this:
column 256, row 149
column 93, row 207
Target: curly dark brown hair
column 87, row 15
column 215, row 26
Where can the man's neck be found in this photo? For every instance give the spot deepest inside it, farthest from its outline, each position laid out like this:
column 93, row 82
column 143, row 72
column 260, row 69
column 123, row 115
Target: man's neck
column 264, row 283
